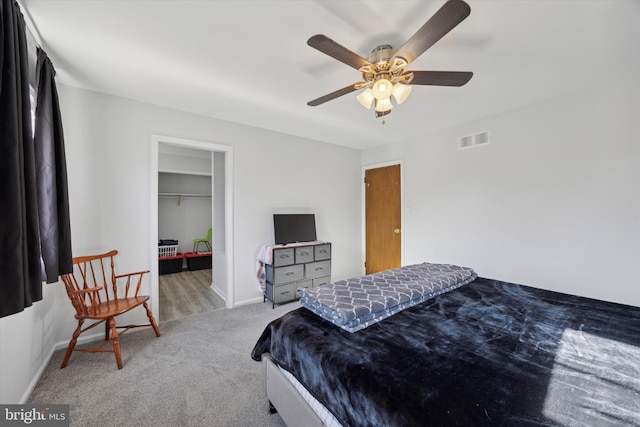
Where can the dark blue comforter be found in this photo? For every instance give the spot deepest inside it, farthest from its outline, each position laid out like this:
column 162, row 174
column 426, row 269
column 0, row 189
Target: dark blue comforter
column 489, row 353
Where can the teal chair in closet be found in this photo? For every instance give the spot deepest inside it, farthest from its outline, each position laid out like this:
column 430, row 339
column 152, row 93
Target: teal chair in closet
column 196, row 242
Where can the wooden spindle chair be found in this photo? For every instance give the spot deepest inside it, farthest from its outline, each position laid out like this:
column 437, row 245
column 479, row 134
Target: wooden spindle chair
column 99, row 294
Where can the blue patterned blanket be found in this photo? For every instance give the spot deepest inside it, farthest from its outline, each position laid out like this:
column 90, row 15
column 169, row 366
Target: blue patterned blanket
column 487, row 354
column 359, row 302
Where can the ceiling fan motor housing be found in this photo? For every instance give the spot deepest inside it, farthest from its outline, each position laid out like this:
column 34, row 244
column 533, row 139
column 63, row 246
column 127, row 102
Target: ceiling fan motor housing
column 382, row 53
column 384, row 65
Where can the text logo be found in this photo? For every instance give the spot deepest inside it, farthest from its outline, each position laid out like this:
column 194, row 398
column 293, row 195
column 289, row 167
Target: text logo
column 36, row 415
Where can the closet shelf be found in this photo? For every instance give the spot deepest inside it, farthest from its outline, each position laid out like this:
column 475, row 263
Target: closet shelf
column 180, row 196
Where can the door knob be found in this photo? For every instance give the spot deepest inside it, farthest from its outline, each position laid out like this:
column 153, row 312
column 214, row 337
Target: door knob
column 397, row 231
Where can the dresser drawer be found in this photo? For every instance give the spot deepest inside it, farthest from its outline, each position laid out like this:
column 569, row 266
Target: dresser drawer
column 284, row 293
column 321, row 281
column 289, row 273
column 283, row 256
column 322, row 252
column 317, row 269
column 304, row 254
column 303, row 284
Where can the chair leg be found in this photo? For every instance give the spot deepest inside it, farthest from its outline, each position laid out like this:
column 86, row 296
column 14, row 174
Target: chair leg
column 116, row 341
column 152, row 320
column 72, row 344
column 208, row 246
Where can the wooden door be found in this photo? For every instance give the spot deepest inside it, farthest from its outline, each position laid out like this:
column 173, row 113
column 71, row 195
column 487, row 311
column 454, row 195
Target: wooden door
column 382, row 219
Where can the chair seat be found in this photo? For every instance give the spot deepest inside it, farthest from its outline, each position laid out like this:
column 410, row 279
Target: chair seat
column 113, row 308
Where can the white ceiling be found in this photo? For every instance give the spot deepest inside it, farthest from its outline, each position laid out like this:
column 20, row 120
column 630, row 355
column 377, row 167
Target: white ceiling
column 248, row 62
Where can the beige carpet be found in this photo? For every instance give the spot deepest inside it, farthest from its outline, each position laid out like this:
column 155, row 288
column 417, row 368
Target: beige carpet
column 198, row 373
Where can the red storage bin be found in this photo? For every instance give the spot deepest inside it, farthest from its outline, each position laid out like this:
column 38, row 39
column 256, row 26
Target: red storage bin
column 198, row 261
column 170, row 264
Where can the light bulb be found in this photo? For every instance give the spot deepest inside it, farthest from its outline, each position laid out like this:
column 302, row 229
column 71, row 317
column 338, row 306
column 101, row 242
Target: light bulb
column 401, row 92
column 382, row 89
column 365, row 98
column 383, row 105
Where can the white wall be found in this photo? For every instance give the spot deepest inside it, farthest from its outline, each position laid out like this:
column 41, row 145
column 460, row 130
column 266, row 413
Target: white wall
column 26, row 343
column 109, row 159
column 293, row 175
column 195, row 162
column 553, row 201
column 270, row 170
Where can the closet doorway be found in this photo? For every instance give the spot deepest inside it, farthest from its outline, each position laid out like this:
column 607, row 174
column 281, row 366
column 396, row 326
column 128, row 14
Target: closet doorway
column 191, row 181
column 185, row 212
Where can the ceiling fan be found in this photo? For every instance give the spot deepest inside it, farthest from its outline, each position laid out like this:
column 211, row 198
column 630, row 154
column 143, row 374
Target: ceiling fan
column 383, row 72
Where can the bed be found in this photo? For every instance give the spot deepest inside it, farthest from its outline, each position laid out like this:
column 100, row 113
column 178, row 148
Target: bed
column 486, row 353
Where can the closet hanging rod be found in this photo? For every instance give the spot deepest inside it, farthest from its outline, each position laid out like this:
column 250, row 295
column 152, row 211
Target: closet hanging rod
column 184, row 194
column 180, row 196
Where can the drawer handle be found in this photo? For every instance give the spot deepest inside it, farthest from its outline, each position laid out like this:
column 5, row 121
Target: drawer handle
column 318, row 268
column 284, row 256
column 304, row 253
column 285, row 292
column 323, row 251
column 289, row 273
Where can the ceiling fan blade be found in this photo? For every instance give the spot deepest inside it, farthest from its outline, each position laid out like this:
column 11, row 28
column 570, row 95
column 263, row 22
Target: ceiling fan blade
column 451, row 14
column 325, row 45
column 332, row 95
column 440, row 78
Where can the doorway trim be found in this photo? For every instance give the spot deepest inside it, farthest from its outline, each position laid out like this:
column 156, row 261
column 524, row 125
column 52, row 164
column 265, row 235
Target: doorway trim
column 364, row 209
column 156, row 140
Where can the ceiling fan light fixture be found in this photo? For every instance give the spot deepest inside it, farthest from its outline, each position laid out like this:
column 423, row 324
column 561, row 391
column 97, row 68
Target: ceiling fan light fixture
column 401, row 92
column 382, row 89
column 383, row 105
column 366, row 98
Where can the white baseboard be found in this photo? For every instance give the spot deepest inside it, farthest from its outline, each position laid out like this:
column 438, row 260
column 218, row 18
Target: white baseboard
column 47, row 360
column 248, row 301
column 36, row 377
column 219, row 292
column 255, row 300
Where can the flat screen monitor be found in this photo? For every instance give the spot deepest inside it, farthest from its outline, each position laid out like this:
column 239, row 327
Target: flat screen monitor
column 292, row 228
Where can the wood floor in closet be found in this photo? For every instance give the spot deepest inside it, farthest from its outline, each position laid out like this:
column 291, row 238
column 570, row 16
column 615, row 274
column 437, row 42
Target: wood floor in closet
column 186, row 293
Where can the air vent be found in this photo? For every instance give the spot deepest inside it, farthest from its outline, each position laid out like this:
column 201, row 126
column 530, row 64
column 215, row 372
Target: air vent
column 465, row 141
column 474, row 140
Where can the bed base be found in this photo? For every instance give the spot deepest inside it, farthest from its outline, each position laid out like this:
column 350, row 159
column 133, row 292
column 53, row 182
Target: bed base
column 283, row 396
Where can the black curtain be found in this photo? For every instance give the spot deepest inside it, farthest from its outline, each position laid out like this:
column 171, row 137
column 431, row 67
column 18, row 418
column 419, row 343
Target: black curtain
column 20, row 276
column 33, row 178
column 51, row 176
